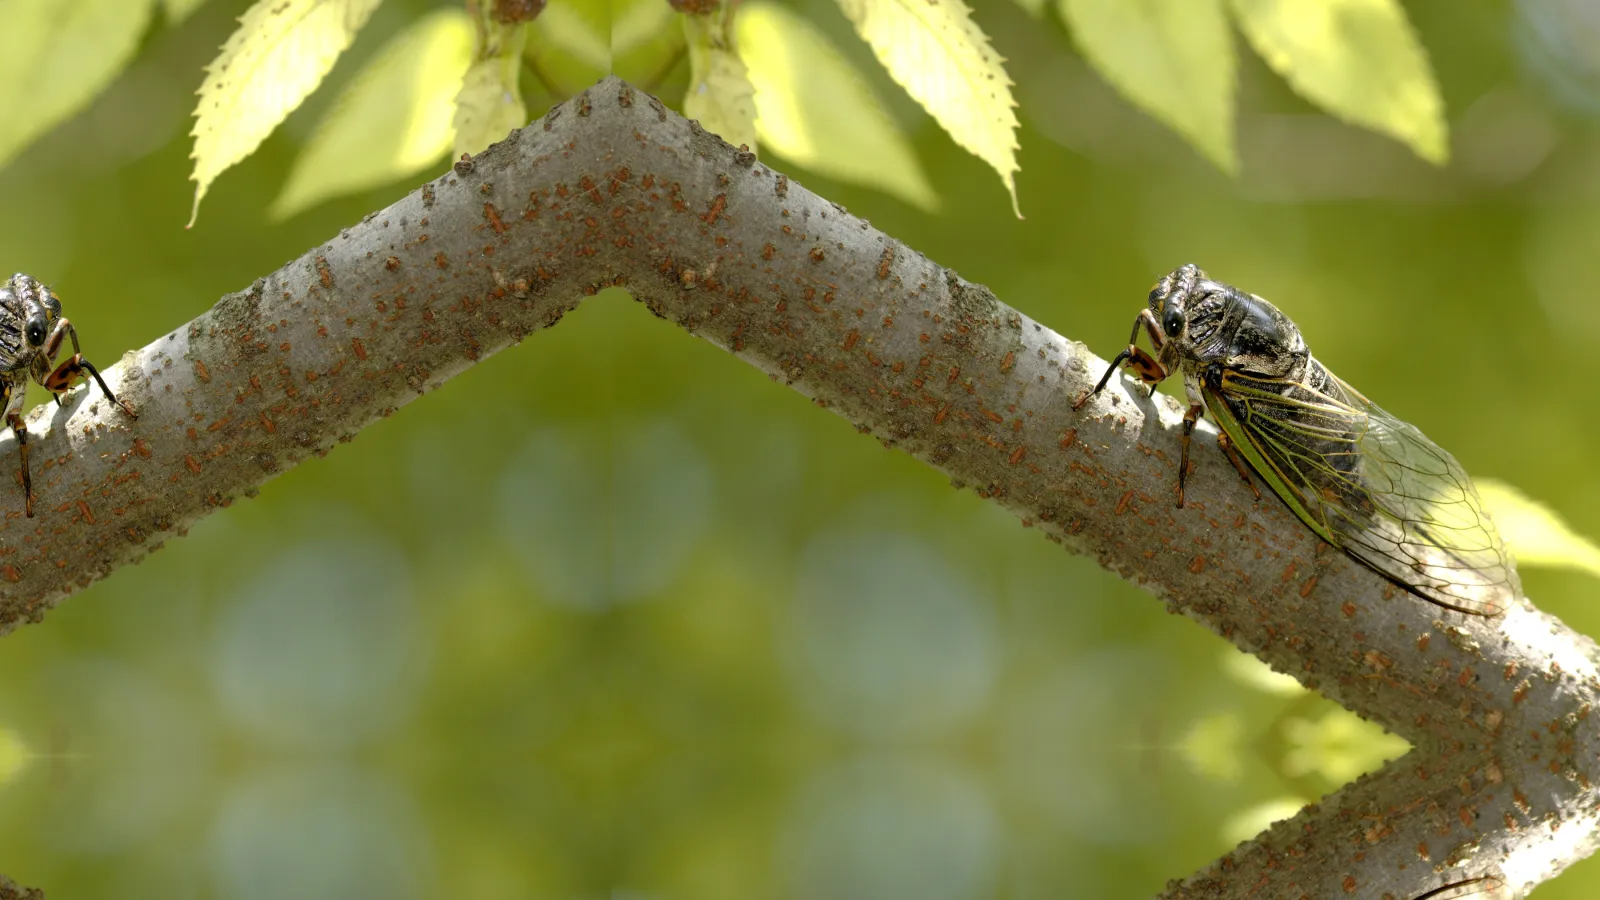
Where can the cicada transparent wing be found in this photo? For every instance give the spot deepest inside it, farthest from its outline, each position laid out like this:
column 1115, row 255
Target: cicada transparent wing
column 1367, row 483
column 1484, row 887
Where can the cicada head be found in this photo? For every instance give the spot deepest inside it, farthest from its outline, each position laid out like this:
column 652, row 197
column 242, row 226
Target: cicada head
column 28, row 312
column 1208, row 323
column 1189, row 307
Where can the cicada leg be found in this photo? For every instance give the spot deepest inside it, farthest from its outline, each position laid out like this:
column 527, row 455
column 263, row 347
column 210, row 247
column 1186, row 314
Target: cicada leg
column 1146, row 367
column 1189, row 419
column 14, row 393
column 59, row 381
column 1226, row 443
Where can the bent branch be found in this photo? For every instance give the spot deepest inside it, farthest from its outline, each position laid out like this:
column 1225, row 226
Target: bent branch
column 611, row 188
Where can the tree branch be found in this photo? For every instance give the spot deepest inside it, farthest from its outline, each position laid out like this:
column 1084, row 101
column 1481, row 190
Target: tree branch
column 611, row 188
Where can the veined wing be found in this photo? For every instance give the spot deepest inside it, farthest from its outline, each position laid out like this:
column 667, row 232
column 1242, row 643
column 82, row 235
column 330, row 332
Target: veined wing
column 1370, row 484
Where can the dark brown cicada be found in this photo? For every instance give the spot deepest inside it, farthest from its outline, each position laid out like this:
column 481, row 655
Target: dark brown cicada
column 1363, row 480
column 31, row 331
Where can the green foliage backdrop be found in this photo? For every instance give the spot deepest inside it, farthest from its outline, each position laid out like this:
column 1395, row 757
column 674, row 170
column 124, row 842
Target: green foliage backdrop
column 612, row 615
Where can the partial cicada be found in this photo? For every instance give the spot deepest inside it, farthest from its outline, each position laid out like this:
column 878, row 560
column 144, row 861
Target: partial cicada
column 1484, row 887
column 1364, row 481
column 31, row 331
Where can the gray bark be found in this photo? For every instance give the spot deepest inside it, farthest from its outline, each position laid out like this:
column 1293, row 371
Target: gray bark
column 612, row 188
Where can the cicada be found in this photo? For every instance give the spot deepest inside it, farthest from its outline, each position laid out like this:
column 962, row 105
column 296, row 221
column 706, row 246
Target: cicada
column 1364, row 481
column 1484, row 887
column 31, row 331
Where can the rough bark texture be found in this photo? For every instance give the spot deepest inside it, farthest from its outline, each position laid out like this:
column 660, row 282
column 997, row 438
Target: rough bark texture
column 614, row 189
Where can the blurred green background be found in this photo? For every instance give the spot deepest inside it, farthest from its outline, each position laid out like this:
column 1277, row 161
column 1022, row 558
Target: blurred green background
column 612, row 615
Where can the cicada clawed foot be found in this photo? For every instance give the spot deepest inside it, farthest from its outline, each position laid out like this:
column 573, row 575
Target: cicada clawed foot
column 1144, row 366
column 60, row 381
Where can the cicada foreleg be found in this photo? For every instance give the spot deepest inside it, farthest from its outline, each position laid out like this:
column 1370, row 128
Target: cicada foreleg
column 59, row 381
column 1147, row 368
column 13, row 394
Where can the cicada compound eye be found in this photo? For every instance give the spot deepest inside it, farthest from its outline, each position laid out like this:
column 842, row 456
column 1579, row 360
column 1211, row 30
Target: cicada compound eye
column 35, row 330
column 1173, row 323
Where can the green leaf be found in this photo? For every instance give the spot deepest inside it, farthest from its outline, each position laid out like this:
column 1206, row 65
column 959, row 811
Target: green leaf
column 646, row 42
column 178, row 10
column 582, row 30
column 934, row 50
column 1174, row 58
column 720, row 94
column 636, row 23
column 393, row 119
column 1535, row 534
column 1214, row 746
column 1247, row 823
column 276, row 58
column 60, row 54
column 569, row 46
column 814, row 108
column 1340, row 746
column 1252, row 672
column 14, row 755
column 489, row 105
column 1358, row 59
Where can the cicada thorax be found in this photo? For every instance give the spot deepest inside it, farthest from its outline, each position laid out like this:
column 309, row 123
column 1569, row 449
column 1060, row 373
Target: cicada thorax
column 1235, row 330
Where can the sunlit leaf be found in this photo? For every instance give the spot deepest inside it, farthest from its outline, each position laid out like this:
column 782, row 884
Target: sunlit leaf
column 59, row 54
column 720, row 94
column 1248, row 670
column 646, row 43
column 1034, row 7
column 944, row 61
column 178, row 10
column 1214, row 746
column 638, row 22
column 1358, row 59
column 1535, row 534
column 815, row 109
column 1246, row 824
column 1339, row 746
column 489, row 105
column 1174, row 58
column 581, row 29
column 391, row 121
column 13, row 755
column 276, row 58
